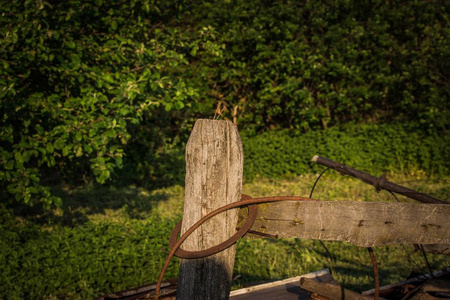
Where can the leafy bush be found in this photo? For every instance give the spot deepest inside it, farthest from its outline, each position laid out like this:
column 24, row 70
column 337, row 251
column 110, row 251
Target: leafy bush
column 76, row 76
column 371, row 148
column 88, row 86
column 315, row 64
column 310, row 66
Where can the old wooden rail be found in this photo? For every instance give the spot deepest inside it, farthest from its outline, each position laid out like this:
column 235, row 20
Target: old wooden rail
column 364, row 224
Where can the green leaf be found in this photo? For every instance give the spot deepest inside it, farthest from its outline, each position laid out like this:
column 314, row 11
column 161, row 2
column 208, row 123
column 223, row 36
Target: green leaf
column 79, row 151
column 59, row 144
column 9, row 165
column 34, row 177
column 18, row 157
column 66, row 150
column 57, row 201
column 78, row 136
column 70, row 44
column 119, row 162
column 87, row 148
column 76, row 60
column 194, row 50
column 124, row 111
column 111, row 133
column 114, row 25
column 49, row 147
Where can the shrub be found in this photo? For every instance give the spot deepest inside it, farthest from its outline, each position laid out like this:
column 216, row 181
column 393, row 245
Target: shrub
column 76, row 76
column 315, row 64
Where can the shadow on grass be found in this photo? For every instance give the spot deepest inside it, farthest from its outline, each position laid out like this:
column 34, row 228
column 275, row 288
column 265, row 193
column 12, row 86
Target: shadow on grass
column 357, row 271
column 81, row 202
column 443, row 193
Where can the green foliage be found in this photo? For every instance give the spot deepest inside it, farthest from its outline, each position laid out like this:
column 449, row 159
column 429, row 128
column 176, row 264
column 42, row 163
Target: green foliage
column 155, row 153
column 370, row 148
column 317, row 64
column 89, row 87
column 309, row 66
column 76, row 76
column 92, row 90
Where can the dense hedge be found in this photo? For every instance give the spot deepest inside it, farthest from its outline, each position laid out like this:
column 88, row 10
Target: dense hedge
column 315, row 64
column 286, row 65
column 373, row 148
column 76, row 78
column 88, row 87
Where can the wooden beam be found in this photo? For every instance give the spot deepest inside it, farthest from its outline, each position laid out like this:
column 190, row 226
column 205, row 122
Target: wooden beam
column 364, row 224
column 214, row 168
column 281, row 289
column 332, row 291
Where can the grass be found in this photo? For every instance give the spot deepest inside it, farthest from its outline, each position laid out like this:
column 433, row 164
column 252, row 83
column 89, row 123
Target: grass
column 106, row 239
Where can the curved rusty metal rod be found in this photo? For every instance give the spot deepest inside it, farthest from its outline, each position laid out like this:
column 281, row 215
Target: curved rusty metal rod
column 244, row 202
column 330, row 256
column 252, row 213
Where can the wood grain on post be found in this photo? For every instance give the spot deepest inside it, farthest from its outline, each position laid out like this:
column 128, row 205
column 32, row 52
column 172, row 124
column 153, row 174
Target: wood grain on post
column 214, row 168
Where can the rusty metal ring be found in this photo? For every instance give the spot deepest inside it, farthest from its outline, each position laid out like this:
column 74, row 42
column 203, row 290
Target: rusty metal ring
column 252, row 213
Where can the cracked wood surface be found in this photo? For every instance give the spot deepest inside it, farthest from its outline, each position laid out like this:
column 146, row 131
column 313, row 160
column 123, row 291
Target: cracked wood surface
column 364, row 224
column 214, row 168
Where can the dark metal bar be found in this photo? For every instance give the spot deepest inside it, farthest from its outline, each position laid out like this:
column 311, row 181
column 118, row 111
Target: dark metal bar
column 379, row 183
column 376, row 275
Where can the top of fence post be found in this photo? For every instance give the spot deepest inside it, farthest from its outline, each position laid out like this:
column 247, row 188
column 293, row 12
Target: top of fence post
column 214, row 168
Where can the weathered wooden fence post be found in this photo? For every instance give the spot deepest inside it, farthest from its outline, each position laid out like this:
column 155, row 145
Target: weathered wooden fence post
column 214, row 167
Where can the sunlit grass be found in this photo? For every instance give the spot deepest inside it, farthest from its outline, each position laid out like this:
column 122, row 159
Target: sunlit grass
column 334, row 187
column 106, row 239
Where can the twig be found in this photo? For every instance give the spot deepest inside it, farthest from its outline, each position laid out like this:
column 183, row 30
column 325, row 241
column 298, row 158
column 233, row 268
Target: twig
column 9, row 62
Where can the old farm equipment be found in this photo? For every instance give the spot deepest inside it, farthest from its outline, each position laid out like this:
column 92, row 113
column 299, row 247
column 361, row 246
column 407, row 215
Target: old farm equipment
column 216, row 215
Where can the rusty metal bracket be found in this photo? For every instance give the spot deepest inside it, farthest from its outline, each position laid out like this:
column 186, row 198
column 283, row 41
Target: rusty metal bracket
column 245, row 201
column 252, row 213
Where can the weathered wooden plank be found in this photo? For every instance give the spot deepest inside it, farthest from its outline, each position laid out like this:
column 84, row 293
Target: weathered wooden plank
column 286, row 289
column 332, row 291
column 214, row 168
column 364, row 224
